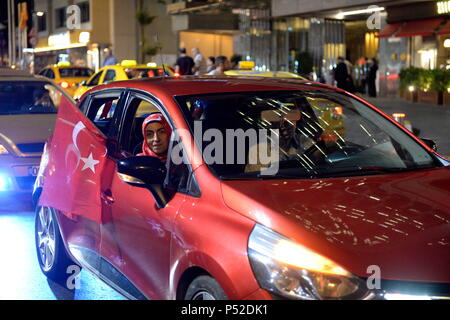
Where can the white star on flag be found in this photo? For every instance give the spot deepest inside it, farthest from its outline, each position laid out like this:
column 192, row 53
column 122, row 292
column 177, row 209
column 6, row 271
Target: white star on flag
column 89, row 163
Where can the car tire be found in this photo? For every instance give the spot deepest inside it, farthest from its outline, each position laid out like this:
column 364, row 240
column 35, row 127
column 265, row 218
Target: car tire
column 205, row 288
column 51, row 253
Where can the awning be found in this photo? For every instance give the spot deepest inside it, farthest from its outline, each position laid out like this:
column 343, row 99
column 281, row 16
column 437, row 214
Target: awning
column 389, row 30
column 445, row 28
column 419, row 28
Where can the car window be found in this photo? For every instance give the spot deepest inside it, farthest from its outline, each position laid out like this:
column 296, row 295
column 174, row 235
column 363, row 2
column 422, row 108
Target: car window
column 28, row 97
column 299, row 135
column 138, row 110
column 43, row 72
column 50, row 74
column 95, row 80
column 179, row 176
column 101, row 111
column 110, row 76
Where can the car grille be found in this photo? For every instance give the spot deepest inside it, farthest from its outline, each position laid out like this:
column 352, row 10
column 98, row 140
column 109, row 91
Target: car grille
column 25, row 183
column 31, row 147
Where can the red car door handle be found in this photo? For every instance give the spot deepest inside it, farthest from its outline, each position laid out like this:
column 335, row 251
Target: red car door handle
column 107, row 197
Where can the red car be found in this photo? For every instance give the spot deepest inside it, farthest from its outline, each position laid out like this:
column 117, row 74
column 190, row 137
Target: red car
column 363, row 213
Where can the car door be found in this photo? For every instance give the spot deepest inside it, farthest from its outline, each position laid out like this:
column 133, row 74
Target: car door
column 136, row 229
column 73, row 182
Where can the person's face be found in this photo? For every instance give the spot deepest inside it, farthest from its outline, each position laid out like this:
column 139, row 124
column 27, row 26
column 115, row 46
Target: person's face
column 157, row 138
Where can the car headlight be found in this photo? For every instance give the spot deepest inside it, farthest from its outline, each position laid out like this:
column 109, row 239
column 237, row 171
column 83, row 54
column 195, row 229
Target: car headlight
column 3, row 150
column 5, row 182
column 292, row 271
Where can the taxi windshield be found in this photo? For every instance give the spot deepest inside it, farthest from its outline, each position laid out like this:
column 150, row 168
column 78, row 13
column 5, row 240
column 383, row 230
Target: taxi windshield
column 136, row 73
column 75, row 72
column 298, row 134
column 28, row 97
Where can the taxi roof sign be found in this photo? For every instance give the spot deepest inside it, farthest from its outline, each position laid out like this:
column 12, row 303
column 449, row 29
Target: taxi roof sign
column 63, row 64
column 246, row 65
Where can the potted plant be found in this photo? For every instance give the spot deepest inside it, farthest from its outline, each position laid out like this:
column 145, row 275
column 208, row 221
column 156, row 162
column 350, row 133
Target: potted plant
column 427, row 87
column 409, row 83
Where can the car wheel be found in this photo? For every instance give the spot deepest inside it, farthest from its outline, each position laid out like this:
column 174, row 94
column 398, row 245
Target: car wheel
column 52, row 256
column 205, row 288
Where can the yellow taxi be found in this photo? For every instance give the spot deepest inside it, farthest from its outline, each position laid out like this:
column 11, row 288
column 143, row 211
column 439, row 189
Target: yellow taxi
column 126, row 70
column 67, row 76
column 246, row 68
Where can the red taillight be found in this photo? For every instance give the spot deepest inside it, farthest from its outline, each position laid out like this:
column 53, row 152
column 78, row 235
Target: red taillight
column 64, row 84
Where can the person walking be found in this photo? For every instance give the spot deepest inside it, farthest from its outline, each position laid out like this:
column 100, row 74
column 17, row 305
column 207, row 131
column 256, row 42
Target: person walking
column 222, row 64
column 372, row 77
column 200, row 62
column 341, row 74
column 185, row 64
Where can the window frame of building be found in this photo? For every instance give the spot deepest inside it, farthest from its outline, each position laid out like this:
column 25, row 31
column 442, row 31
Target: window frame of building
column 60, row 17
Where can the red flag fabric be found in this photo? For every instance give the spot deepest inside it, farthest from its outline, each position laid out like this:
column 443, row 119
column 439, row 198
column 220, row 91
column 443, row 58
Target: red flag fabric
column 77, row 154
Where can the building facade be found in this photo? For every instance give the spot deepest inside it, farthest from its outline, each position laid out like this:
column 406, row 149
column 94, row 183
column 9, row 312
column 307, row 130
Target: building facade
column 103, row 25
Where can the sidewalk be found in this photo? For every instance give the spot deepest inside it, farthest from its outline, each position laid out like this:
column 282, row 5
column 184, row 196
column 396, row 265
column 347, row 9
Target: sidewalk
column 432, row 120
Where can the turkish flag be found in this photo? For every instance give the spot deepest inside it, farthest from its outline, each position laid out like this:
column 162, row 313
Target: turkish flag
column 77, row 153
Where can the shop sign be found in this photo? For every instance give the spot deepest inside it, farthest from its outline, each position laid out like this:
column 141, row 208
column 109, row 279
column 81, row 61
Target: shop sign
column 60, row 39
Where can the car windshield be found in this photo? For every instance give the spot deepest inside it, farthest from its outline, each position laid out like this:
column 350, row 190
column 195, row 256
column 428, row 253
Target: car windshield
column 28, row 97
column 75, row 72
column 135, row 73
column 298, row 134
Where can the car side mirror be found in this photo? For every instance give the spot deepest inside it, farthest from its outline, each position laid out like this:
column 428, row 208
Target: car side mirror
column 430, row 143
column 145, row 172
column 82, row 83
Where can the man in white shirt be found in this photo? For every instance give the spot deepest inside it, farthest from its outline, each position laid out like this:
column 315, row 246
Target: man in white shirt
column 199, row 60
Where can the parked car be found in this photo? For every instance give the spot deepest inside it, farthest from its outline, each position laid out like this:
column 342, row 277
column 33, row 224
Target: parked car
column 208, row 223
column 28, row 106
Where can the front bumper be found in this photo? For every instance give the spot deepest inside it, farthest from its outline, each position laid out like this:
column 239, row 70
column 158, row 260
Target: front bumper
column 18, row 174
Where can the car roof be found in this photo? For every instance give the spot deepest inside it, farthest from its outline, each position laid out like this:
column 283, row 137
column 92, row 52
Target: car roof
column 192, row 85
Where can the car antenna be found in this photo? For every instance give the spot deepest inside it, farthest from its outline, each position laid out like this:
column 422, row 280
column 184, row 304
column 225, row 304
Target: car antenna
column 161, row 56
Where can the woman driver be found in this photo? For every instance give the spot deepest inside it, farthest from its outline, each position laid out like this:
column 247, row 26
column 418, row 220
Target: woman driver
column 156, row 132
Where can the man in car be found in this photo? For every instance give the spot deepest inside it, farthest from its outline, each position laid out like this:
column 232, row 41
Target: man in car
column 42, row 102
column 156, row 132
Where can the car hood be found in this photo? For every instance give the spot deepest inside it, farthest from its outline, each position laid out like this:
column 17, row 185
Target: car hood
column 399, row 222
column 26, row 128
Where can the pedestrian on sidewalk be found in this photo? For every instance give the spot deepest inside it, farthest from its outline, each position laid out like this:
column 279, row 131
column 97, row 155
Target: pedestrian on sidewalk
column 199, row 60
column 211, row 62
column 185, row 64
column 222, row 65
column 341, row 74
